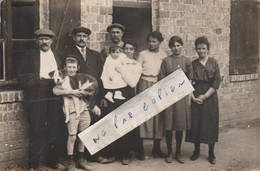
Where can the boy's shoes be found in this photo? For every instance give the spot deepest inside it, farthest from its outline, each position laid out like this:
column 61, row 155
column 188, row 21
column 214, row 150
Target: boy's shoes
column 118, row 95
column 83, row 165
column 109, row 96
column 71, row 166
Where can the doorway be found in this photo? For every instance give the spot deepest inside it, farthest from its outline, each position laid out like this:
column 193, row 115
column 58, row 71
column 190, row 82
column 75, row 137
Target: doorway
column 137, row 21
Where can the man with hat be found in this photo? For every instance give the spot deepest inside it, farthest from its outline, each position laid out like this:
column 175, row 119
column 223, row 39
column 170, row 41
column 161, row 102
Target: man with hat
column 89, row 60
column 116, row 32
column 43, row 107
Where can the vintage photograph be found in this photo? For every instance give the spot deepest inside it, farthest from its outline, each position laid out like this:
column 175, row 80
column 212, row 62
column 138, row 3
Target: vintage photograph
column 142, row 85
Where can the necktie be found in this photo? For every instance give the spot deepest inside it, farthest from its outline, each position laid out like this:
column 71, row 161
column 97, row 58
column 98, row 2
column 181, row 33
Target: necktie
column 83, row 53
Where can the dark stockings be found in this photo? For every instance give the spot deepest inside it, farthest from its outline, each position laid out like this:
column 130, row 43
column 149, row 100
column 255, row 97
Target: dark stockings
column 197, row 148
column 211, row 149
column 156, row 145
column 169, row 141
column 141, row 146
column 178, row 136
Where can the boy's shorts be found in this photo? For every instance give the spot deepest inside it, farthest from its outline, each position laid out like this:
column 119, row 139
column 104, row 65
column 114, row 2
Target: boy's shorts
column 78, row 124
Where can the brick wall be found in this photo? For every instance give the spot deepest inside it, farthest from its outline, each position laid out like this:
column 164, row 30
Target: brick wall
column 13, row 129
column 193, row 18
column 97, row 15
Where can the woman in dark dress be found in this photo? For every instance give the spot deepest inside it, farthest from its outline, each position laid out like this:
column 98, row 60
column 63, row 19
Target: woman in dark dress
column 131, row 139
column 177, row 116
column 204, row 106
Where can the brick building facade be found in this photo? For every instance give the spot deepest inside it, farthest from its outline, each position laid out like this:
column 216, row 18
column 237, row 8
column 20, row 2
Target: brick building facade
column 239, row 94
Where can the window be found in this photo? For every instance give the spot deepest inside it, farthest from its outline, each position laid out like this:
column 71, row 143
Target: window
column 244, row 43
column 19, row 20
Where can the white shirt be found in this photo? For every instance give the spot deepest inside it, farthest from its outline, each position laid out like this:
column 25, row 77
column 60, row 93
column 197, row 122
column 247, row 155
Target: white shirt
column 47, row 64
column 151, row 63
column 82, row 51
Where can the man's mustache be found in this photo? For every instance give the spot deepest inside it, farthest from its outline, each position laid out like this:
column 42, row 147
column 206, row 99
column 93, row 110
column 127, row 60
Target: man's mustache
column 44, row 45
column 81, row 41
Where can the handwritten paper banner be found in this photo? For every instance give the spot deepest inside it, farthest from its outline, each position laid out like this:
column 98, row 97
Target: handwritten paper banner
column 136, row 111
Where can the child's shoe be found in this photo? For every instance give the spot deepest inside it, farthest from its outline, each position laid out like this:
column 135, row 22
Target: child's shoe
column 118, row 95
column 109, row 96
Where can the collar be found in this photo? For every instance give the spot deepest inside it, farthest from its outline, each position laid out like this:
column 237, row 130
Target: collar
column 79, row 48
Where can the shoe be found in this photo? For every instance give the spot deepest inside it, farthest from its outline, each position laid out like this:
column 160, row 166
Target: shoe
column 195, row 156
column 158, row 154
column 109, row 97
column 125, row 161
column 141, row 156
column 103, row 160
column 71, row 166
column 168, row 158
column 118, row 95
column 59, row 166
column 112, row 159
column 32, row 169
column 83, row 165
column 212, row 159
column 179, row 158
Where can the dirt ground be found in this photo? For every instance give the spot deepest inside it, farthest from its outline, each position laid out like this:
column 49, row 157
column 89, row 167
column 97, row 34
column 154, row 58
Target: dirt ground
column 238, row 149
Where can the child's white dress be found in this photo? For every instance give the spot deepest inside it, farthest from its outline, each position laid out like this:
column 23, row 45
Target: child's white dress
column 110, row 77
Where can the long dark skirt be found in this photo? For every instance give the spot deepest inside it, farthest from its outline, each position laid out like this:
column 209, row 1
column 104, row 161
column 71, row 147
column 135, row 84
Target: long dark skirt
column 123, row 145
column 205, row 117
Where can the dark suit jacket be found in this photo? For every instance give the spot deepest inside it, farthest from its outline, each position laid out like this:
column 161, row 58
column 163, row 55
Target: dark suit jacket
column 28, row 76
column 93, row 64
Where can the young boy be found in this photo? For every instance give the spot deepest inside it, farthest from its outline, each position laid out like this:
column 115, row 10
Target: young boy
column 75, row 124
column 111, row 78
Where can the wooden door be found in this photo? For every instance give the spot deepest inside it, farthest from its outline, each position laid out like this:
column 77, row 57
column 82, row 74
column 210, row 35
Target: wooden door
column 64, row 16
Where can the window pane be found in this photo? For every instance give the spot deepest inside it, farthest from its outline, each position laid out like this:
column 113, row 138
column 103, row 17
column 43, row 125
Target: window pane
column 23, row 19
column 1, row 62
column 19, row 49
column 1, row 19
column 244, row 37
column 1, row 43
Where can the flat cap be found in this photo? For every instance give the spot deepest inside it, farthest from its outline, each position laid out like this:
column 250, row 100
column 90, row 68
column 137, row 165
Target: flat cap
column 72, row 57
column 81, row 29
column 115, row 25
column 44, row 32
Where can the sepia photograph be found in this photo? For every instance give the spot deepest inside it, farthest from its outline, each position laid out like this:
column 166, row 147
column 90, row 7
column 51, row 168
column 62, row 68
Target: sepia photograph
column 143, row 85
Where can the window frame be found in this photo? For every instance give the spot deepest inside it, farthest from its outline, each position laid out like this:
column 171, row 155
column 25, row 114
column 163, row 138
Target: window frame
column 8, row 40
column 236, row 63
